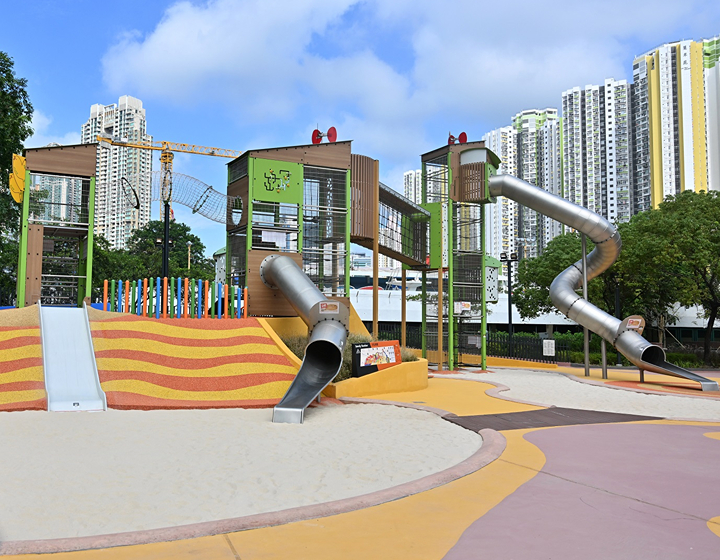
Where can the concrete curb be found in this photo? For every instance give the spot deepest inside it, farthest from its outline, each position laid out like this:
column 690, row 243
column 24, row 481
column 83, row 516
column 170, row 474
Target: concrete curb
column 493, row 445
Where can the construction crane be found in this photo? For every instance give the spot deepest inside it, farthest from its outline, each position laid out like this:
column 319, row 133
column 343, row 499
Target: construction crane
column 166, row 150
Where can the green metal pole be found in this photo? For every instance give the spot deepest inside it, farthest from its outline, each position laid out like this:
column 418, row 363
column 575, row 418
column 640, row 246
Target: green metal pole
column 213, row 302
column 451, row 295
column 90, row 240
column 171, row 303
column 483, row 321
column 112, row 295
column 22, row 253
column 151, row 310
column 424, row 314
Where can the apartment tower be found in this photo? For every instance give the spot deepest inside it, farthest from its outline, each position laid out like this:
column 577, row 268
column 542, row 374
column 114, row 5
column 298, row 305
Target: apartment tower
column 115, row 218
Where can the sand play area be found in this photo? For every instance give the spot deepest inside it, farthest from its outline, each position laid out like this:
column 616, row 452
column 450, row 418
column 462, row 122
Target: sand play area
column 83, row 474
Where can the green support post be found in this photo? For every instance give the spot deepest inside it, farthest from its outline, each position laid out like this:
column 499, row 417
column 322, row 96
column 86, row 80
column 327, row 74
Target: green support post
column 90, row 239
column 424, row 314
column 213, row 302
column 248, row 230
column 451, row 295
column 151, row 285
column 22, row 253
column 171, row 303
column 483, row 320
column 112, row 295
column 451, row 254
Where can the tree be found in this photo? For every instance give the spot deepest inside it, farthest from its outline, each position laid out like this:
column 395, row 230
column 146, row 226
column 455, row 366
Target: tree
column 531, row 291
column 689, row 227
column 142, row 244
column 15, row 117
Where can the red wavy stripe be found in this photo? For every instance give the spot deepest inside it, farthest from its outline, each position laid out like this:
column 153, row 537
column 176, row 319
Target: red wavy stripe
column 193, row 363
column 178, row 341
column 131, row 401
column 21, row 386
column 197, row 383
column 204, row 324
column 19, row 342
column 40, row 404
column 5, row 329
column 21, row 363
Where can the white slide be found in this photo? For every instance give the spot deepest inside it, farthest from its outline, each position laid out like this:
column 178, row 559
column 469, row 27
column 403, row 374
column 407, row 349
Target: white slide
column 71, row 376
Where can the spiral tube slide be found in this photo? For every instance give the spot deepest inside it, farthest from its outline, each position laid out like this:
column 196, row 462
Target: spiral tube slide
column 634, row 347
column 327, row 321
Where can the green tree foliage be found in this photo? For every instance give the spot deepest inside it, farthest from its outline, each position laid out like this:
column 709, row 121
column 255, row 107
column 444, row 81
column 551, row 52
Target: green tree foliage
column 15, row 116
column 143, row 257
column 670, row 255
column 531, row 291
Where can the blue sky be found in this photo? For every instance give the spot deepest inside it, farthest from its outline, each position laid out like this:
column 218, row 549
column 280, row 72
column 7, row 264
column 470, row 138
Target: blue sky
column 395, row 76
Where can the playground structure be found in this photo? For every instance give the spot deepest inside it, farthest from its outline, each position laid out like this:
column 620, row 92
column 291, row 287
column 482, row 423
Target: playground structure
column 291, row 214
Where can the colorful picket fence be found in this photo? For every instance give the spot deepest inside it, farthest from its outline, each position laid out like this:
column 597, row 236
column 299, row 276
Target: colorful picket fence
column 174, row 298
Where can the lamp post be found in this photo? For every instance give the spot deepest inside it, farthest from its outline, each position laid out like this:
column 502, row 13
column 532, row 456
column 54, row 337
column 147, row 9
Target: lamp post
column 508, row 260
column 189, row 244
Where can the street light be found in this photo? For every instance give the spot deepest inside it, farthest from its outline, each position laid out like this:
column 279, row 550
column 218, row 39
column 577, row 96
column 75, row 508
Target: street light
column 508, row 260
column 189, row 244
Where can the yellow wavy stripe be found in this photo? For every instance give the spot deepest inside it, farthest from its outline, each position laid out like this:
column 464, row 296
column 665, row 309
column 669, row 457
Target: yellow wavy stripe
column 8, row 335
column 33, row 351
column 8, row 397
column 179, row 332
column 276, row 389
column 120, row 364
column 713, row 435
column 34, row 373
column 166, row 349
column 714, row 525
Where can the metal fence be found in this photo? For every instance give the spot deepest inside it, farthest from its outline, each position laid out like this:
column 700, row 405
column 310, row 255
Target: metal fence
column 524, row 348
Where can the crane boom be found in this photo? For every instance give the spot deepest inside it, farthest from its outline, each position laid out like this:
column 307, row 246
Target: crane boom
column 173, row 147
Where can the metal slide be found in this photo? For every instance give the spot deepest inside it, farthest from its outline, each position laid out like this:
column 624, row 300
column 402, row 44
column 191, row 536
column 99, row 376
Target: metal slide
column 327, row 321
column 634, row 347
column 71, row 376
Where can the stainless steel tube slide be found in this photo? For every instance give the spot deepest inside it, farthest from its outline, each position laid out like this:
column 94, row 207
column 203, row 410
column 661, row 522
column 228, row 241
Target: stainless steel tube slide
column 634, row 347
column 327, row 322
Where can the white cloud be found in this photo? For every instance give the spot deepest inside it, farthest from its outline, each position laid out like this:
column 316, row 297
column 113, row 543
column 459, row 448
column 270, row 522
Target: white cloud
column 473, row 64
column 42, row 135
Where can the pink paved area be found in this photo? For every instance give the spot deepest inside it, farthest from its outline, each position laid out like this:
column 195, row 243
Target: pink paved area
column 617, row 492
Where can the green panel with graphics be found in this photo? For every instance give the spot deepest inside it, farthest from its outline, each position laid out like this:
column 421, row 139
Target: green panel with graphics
column 277, row 181
column 435, row 245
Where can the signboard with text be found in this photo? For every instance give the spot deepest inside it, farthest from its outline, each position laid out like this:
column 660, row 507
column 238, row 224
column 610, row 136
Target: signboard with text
column 369, row 357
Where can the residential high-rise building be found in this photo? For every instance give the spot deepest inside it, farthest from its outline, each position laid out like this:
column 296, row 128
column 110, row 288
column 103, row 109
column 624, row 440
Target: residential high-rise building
column 528, row 149
column 115, row 219
column 597, row 148
column 676, row 115
column 412, row 181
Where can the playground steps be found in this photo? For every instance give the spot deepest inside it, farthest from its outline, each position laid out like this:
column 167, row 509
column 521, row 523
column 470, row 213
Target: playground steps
column 188, row 363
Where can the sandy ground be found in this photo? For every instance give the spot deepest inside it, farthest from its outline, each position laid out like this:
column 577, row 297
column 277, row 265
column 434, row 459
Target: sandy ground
column 549, row 388
column 80, row 474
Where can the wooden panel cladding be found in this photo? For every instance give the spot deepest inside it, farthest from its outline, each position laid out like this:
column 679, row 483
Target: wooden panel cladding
column 262, row 300
column 238, row 188
column 362, row 187
column 33, row 275
column 77, row 161
column 471, row 186
column 336, row 155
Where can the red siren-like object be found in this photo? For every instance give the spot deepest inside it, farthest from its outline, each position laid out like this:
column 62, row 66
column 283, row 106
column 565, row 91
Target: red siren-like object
column 462, row 139
column 331, row 135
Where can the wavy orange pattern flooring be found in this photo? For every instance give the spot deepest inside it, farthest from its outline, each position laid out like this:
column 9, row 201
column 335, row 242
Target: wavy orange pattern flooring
column 189, row 363
column 22, row 381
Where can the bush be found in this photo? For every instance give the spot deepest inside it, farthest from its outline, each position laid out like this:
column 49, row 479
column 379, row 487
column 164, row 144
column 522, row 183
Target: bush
column 297, row 344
